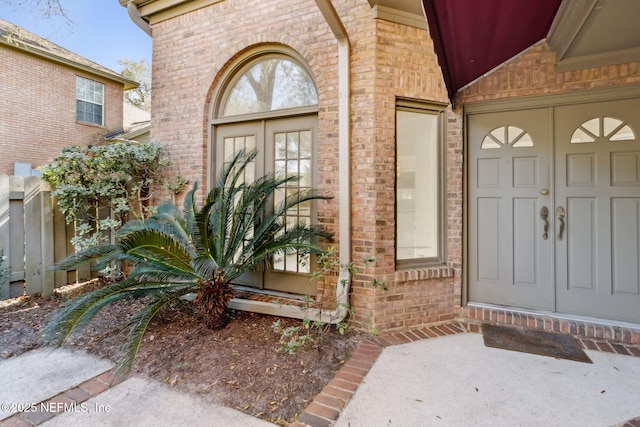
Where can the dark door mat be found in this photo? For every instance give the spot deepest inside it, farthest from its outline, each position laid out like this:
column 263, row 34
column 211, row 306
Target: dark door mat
column 533, row 341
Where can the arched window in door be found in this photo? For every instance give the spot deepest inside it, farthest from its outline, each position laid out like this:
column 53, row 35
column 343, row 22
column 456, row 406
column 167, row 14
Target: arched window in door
column 506, row 135
column 271, row 83
column 270, row 103
column 603, row 129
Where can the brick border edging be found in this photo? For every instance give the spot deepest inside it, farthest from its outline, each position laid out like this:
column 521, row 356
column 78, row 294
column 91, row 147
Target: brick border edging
column 325, row 408
column 73, row 398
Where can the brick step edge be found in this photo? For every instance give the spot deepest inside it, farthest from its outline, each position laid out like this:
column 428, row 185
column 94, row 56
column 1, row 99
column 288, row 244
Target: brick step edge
column 71, row 398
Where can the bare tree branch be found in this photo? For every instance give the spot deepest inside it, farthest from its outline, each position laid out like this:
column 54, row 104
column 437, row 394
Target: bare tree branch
column 47, row 8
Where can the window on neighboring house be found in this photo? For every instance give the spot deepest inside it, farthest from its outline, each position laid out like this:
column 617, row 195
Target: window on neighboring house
column 420, row 192
column 89, row 101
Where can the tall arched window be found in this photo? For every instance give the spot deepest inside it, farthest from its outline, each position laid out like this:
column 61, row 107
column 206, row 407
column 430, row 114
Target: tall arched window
column 269, row 102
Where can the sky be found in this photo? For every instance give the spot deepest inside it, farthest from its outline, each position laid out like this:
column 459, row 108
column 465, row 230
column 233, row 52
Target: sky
column 99, row 30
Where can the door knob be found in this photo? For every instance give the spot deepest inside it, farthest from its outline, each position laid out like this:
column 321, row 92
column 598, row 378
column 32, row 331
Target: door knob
column 560, row 213
column 544, row 214
column 544, row 192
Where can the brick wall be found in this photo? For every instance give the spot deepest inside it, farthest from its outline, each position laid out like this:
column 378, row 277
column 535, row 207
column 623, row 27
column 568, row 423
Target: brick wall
column 193, row 52
column 397, row 62
column 534, row 73
column 38, row 110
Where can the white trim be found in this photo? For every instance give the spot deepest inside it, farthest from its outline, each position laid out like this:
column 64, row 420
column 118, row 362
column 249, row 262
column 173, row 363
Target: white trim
column 134, row 14
column 553, row 100
column 399, row 17
column 344, row 160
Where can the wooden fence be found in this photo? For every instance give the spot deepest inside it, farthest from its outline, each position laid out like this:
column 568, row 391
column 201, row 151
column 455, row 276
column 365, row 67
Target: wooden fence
column 33, row 235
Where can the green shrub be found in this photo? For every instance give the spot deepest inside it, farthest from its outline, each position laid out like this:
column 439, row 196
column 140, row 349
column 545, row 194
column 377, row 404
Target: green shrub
column 98, row 188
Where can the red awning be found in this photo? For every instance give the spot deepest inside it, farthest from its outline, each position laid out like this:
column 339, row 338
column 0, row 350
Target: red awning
column 471, row 37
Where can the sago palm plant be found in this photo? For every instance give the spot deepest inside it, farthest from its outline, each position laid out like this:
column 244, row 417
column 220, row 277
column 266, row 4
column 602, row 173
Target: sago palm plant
column 196, row 251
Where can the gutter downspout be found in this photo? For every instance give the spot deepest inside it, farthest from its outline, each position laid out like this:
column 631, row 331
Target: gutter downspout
column 134, row 14
column 344, row 190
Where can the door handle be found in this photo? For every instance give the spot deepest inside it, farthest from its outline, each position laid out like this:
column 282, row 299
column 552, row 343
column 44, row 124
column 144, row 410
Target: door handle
column 561, row 213
column 544, row 214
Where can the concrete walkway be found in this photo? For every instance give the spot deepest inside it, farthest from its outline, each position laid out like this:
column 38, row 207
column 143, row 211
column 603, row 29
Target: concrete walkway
column 453, row 380
column 39, row 375
column 457, row 381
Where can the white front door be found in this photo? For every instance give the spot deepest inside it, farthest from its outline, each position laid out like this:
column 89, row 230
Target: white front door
column 589, row 262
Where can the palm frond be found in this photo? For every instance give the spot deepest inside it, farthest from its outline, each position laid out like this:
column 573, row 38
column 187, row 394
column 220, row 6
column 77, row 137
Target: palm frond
column 153, row 272
column 85, row 255
column 205, row 231
column 296, row 199
column 302, row 238
column 190, row 208
column 169, row 222
column 246, row 212
column 79, row 311
column 224, row 199
column 130, row 226
column 136, row 327
column 233, row 171
column 173, row 252
column 206, row 267
column 151, row 245
column 272, row 222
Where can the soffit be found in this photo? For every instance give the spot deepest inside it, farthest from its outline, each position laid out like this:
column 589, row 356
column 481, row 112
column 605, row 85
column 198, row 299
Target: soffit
column 593, row 33
column 154, row 11
column 408, row 6
column 406, row 12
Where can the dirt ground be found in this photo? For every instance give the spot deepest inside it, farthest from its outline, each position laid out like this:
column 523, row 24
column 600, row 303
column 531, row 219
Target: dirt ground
column 239, row 366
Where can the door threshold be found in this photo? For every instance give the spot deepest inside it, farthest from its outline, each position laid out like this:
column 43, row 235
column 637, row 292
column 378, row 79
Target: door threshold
column 581, row 326
column 248, row 290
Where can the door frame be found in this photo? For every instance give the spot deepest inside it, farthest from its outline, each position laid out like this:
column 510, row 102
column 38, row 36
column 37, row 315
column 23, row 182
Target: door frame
column 263, row 129
column 524, row 103
column 512, row 286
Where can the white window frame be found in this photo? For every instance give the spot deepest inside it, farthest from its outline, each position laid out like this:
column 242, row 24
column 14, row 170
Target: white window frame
column 88, row 96
column 439, row 111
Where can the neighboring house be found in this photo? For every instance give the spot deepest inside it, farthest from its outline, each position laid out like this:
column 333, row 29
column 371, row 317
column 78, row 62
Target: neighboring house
column 485, row 153
column 51, row 98
column 136, row 124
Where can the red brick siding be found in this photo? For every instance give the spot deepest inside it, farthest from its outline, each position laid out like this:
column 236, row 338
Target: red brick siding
column 38, row 110
column 534, row 73
column 193, row 51
column 401, row 64
column 191, row 55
